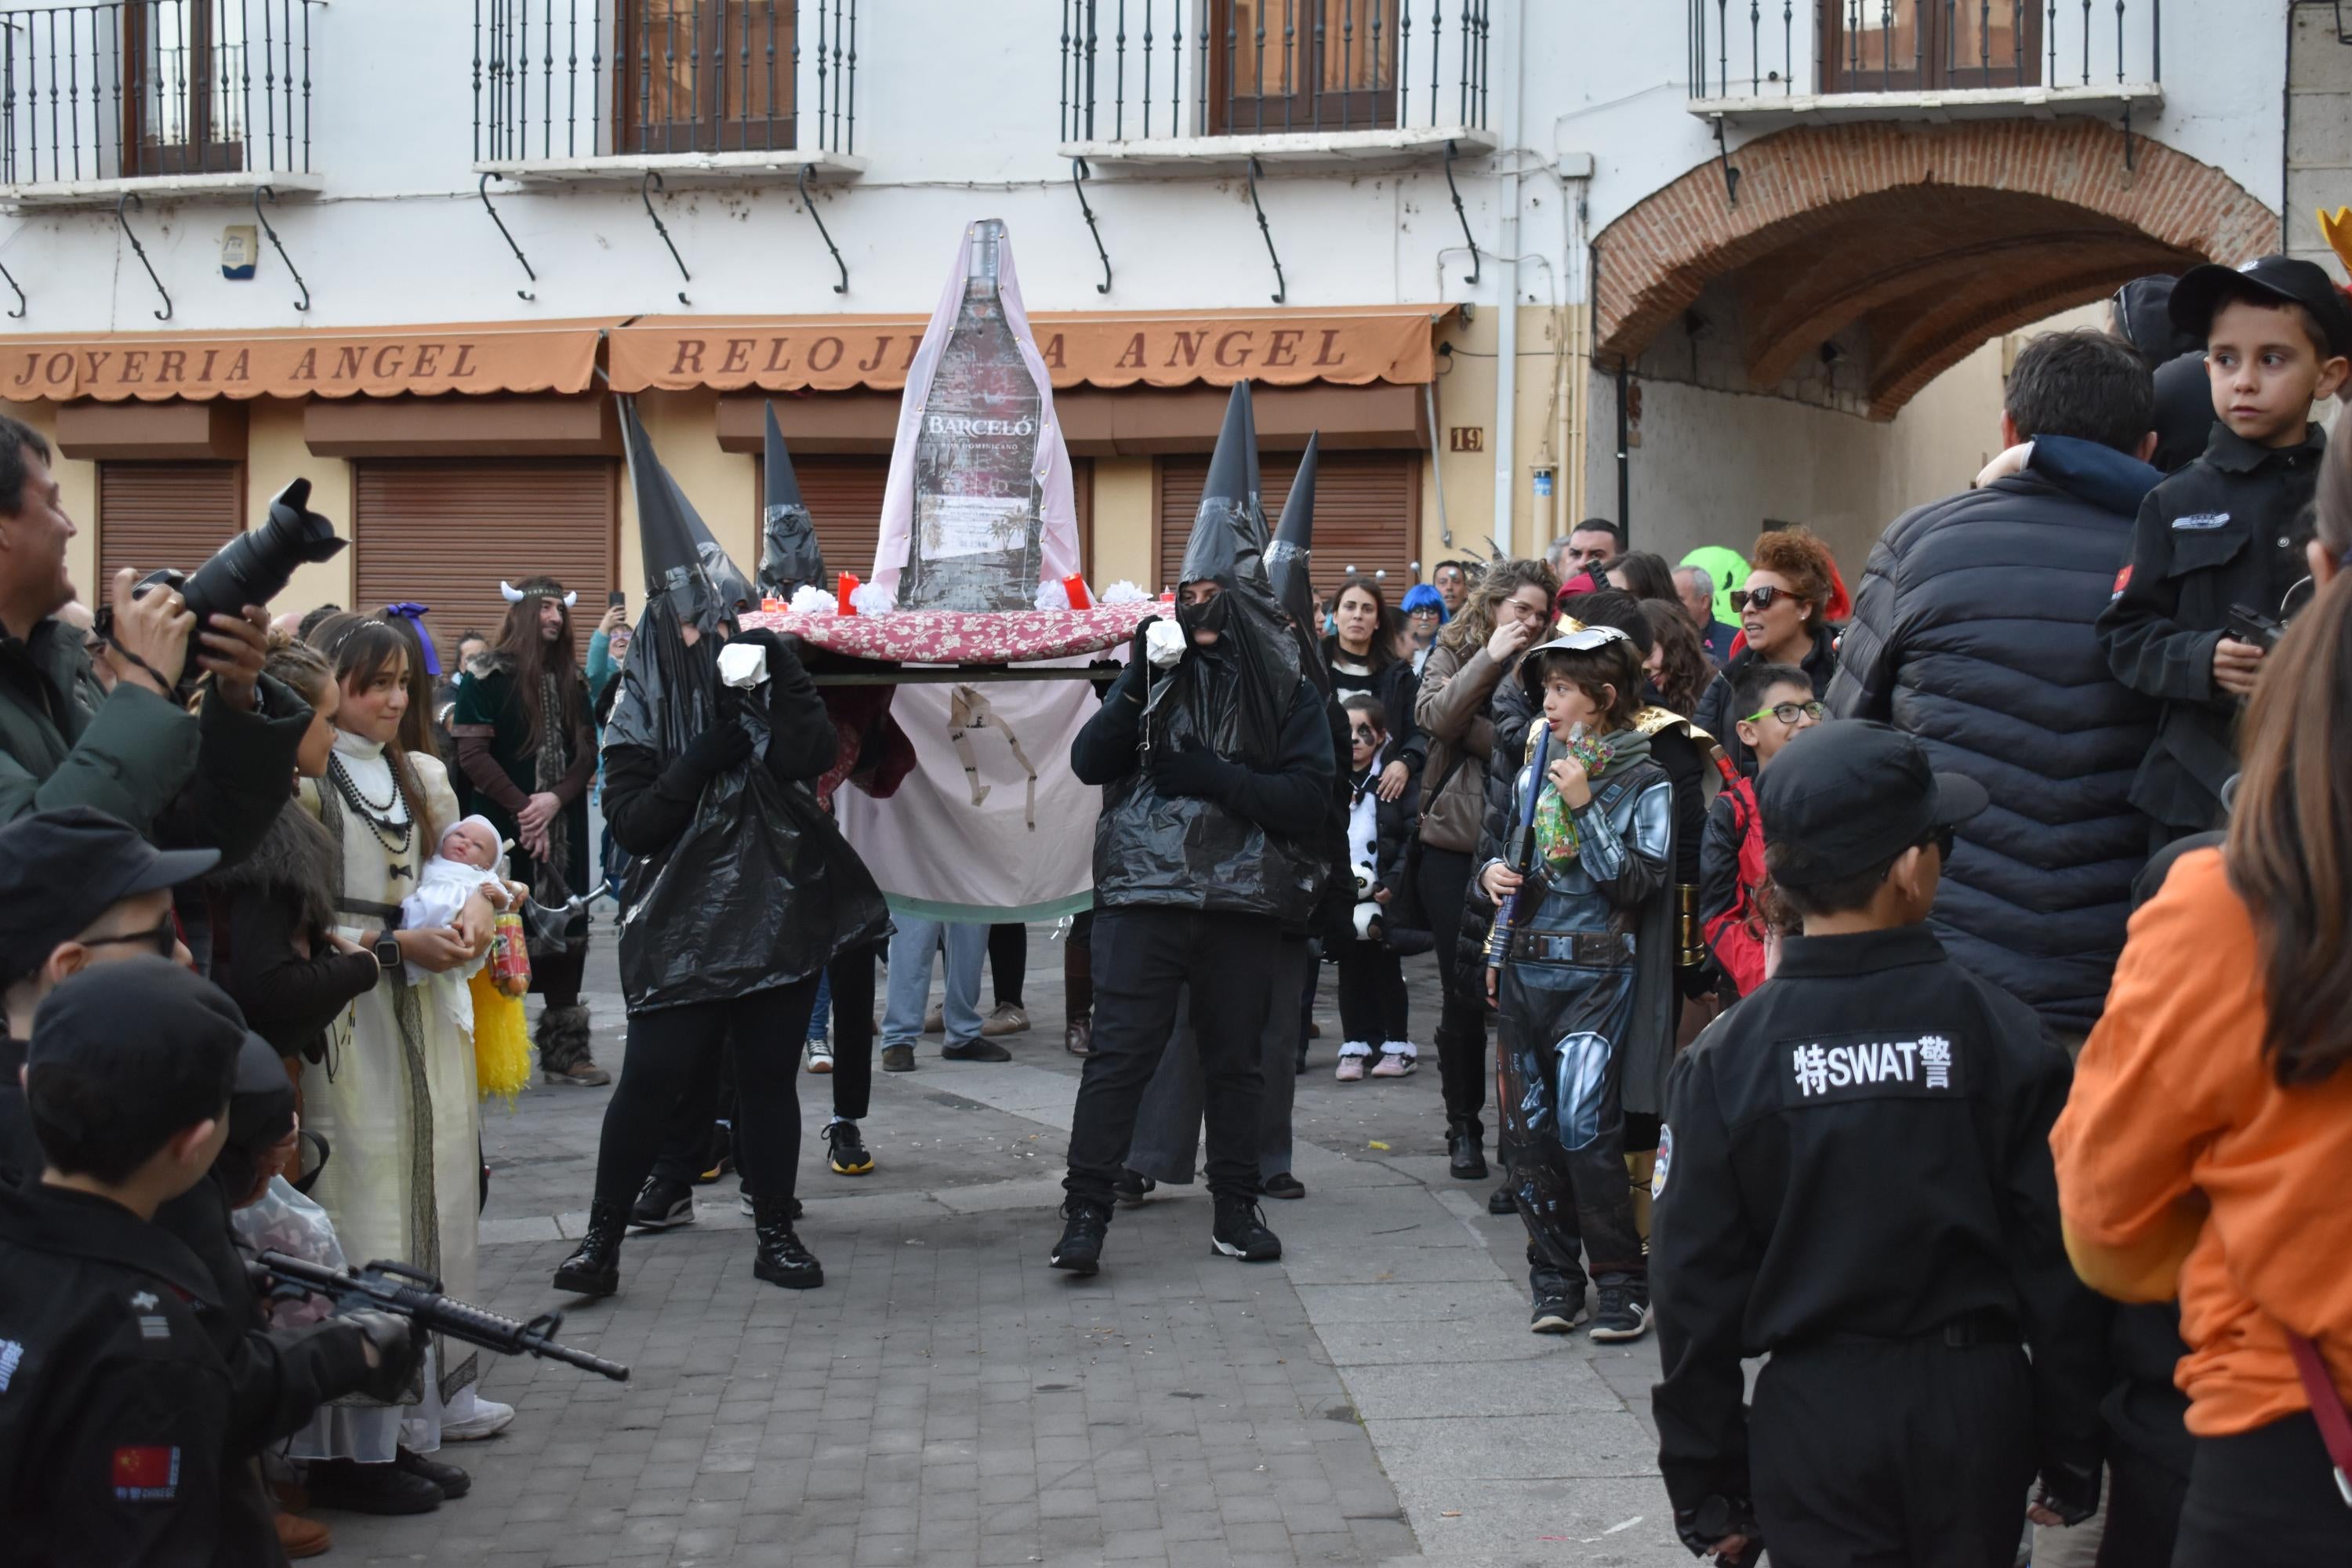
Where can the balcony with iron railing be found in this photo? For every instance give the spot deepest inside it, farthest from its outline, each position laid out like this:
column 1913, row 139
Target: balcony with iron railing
column 1754, row 60
column 1188, row 82
column 155, row 99
column 688, row 88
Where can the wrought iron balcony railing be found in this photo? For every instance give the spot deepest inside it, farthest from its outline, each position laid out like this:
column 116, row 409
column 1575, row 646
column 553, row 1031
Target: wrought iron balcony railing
column 153, row 88
column 624, row 78
column 1138, row 69
column 1754, row 50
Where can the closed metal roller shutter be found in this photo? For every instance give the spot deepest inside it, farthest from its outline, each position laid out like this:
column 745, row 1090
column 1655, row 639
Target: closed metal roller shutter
column 844, row 499
column 1367, row 512
column 445, row 532
column 163, row 514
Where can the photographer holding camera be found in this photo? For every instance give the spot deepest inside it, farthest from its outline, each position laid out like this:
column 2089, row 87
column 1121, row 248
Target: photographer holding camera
column 216, row 777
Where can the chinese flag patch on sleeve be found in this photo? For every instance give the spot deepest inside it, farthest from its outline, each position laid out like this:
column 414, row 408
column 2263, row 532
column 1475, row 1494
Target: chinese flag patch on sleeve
column 146, row 1468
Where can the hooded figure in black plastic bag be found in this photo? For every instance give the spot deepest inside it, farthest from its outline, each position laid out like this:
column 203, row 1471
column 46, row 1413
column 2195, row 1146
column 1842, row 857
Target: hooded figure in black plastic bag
column 1216, row 764
column 790, row 557
column 738, row 891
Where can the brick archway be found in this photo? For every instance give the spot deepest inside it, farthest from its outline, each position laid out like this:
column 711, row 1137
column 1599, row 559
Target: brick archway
column 1936, row 236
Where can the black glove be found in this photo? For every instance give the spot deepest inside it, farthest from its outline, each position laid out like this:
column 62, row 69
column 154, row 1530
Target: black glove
column 783, row 654
column 397, row 1348
column 1139, row 649
column 1701, row 1527
column 2070, row 1491
column 1196, row 772
column 724, row 745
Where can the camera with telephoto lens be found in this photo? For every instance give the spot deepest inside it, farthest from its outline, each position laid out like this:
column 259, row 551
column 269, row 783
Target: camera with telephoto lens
column 251, row 569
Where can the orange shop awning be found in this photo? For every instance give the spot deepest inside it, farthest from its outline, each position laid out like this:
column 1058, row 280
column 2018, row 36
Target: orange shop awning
column 1081, row 348
column 360, row 361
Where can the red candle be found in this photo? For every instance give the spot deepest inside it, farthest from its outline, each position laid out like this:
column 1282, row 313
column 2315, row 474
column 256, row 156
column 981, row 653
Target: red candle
column 1076, row 587
column 848, row 586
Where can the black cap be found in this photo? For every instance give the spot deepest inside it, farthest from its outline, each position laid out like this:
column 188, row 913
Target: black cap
column 1845, row 797
column 59, row 870
column 2287, row 279
column 128, row 1023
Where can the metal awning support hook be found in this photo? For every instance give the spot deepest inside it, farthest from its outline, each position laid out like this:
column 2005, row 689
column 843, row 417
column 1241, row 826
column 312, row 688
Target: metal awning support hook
column 131, row 199
column 524, row 294
column 1476, row 264
column 259, row 192
column 809, row 207
column 22, row 303
column 1281, row 287
column 646, row 188
column 1078, row 175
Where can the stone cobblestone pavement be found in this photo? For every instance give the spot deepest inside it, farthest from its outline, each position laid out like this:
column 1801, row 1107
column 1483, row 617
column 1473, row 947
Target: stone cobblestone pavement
column 947, row 1400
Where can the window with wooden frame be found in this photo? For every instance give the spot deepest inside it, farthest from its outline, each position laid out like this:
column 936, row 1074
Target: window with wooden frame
column 1917, row 45
column 703, row 76
column 1303, row 64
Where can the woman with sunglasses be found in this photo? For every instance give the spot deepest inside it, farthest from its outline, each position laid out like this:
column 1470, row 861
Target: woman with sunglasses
column 1793, row 593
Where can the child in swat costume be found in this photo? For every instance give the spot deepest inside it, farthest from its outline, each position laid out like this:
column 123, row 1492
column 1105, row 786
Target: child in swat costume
column 118, row 1417
column 2227, row 533
column 1858, row 1183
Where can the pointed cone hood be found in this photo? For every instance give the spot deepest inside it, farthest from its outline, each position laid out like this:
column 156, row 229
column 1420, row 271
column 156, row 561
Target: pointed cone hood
column 684, row 563
column 790, row 555
column 1229, row 531
column 1290, row 561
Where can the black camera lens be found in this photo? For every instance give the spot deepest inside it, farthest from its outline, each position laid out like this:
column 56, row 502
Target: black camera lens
column 254, row 568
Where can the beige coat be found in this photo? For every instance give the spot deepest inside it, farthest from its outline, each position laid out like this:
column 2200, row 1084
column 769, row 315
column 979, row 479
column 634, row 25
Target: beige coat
column 1452, row 712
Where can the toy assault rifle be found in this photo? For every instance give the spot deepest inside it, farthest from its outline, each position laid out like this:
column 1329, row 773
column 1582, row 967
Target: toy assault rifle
column 413, row 1294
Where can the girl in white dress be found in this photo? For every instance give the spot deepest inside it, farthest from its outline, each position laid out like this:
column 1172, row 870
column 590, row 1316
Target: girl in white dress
column 394, row 1097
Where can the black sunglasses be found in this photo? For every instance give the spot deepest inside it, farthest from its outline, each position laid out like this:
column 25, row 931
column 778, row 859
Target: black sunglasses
column 1762, row 598
column 160, row 942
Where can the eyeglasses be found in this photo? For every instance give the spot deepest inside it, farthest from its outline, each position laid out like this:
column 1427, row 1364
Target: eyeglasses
column 1789, row 712
column 1762, row 598
column 160, row 942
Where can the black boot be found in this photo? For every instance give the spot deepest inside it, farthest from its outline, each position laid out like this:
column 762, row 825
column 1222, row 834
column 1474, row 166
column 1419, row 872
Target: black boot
column 1084, row 1224
column 594, row 1266
column 782, row 1260
column 1466, row 1152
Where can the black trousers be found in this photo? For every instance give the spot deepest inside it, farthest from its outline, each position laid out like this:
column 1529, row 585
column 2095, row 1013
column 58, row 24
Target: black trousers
column 1008, row 961
column 709, row 1095
column 1908, row 1453
column 670, row 1050
column 2265, row 1499
column 1373, row 1004
column 1461, row 1039
column 1142, row 958
column 2144, row 1499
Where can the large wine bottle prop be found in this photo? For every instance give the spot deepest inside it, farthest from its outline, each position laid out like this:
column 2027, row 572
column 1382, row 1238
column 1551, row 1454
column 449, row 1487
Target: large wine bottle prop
column 977, row 523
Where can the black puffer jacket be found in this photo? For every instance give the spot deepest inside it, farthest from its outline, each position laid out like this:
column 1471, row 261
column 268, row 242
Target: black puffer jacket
column 1975, row 630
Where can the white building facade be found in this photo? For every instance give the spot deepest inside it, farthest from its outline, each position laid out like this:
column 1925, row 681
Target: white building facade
column 406, row 249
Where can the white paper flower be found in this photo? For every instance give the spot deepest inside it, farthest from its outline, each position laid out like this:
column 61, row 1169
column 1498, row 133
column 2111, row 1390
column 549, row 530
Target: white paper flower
column 1053, row 596
column 1123, row 593
column 808, row 599
column 873, row 599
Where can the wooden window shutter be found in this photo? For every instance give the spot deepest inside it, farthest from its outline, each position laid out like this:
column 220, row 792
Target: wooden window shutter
column 152, row 515
column 445, row 533
column 1367, row 514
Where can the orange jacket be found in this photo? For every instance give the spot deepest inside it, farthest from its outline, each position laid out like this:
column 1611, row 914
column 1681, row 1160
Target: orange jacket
column 2182, row 1165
